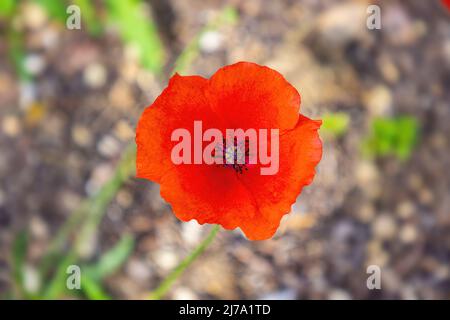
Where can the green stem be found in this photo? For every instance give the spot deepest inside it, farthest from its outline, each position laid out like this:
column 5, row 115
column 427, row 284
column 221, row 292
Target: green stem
column 124, row 170
column 91, row 210
column 162, row 289
column 87, row 217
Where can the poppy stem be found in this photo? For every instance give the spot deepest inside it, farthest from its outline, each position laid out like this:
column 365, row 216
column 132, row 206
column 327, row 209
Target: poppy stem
column 167, row 283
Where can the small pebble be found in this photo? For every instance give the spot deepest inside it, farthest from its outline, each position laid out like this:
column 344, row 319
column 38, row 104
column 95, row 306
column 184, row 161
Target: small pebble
column 165, row 259
column 405, row 209
column 95, row 75
column 147, row 82
column 367, row 176
column 366, row 213
column 11, row 126
column 211, row 41
column 183, row 293
column 388, row 69
column 366, row 172
column 69, row 200
column 34, row 16
column 38, row 228
column 108, row 146
column 138, row 270
column 81, row 135
column 130, row 71
column 31, row 279
column 378, row 100
column 384, row 227
column 34, row 64
column 339, row 294
column 191, row 232
column 123, row 131
column 87, row 248
column 132, row 53
column 121, row 96
column 408, row 233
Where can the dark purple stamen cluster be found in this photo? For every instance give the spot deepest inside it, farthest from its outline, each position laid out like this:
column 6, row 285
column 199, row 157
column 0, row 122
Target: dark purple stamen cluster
column 239, row 153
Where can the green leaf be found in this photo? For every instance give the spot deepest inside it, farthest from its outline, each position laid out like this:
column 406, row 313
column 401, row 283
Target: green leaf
column 335, row 124
column 88, row 14
column 110, row 262
column 230, row 15
column 54, row 8
column 90, row 211
column 57, row 285
column 7, row 7
column 138, row 30
column 92, row 288
column 19, row 252
column 392, row 136
column 112, row 259
column 16, row 54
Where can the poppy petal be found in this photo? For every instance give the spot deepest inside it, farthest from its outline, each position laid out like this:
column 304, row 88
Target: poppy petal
column 178, row 106
column 299, row 153
column 243, row 95
column 248, row 95
column 209, row 194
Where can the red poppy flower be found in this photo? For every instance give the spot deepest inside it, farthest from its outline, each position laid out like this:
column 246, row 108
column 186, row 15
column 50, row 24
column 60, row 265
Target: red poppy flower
column 446, row 3
column 243, row 95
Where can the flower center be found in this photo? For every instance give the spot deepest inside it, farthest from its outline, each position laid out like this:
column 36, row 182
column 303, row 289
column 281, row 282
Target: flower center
column 236, row 155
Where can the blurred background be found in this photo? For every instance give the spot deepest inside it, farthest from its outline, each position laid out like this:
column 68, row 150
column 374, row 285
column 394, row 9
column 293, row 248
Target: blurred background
column 70, row 99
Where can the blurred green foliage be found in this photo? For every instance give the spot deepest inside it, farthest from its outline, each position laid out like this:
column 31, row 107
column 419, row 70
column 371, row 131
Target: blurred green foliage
column 392, row 136
column 134, row 27
column 19, row 251
column 335, row 124
column 112, row 259
column 107, row 265
column 56, row 9
column 137, row 30
column 14, row 38
column 16, row 54
column 89, row 16
column 7, row 7
column 92, row 275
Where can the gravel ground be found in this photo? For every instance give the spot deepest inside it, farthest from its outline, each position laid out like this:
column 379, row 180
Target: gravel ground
column 61, row 137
